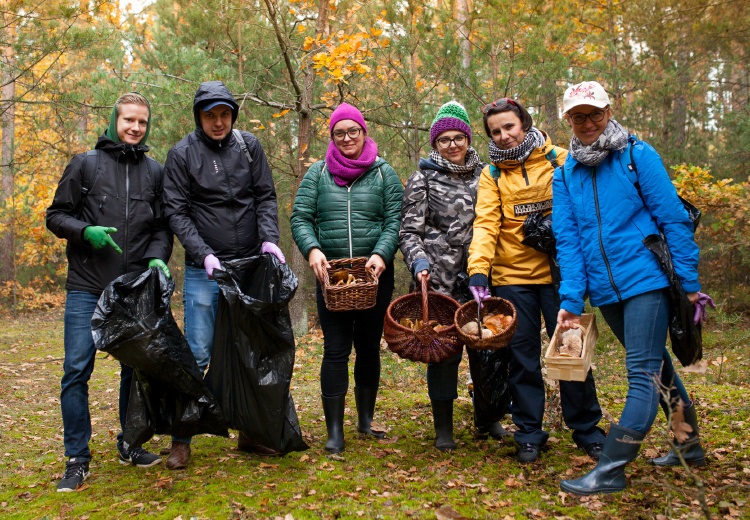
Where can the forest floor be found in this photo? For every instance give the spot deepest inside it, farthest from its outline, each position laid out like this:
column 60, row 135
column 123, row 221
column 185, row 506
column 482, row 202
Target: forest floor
column 402, row 476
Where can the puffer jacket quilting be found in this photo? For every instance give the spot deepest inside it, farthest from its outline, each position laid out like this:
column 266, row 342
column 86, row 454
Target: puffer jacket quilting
column 348, row 221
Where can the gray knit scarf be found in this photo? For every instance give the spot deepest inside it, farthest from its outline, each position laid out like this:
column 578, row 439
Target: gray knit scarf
column 470, row 162
column 614, row 137
column 534, row 139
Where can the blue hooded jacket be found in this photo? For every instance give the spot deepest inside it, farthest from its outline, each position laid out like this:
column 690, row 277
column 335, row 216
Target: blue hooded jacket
column 599, row 221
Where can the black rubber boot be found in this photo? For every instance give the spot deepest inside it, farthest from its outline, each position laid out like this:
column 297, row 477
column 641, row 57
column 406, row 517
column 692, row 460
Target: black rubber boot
column 365, row 399
column 333, row 407
column 691, row 450
column 442, row 416
column 620, row 447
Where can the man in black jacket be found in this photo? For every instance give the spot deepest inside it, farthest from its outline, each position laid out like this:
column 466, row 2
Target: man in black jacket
column 107, row 207
column 220, row 200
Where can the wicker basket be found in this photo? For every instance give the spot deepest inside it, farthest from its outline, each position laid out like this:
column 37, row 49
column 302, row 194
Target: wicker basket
column 425, row 344
column 353, row 297
column 468, row 312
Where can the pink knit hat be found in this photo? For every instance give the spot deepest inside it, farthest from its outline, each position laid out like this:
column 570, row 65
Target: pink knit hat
column 347, row 111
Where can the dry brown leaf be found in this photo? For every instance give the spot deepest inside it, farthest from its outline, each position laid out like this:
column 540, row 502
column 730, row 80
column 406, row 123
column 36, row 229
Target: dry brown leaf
column 699, row 367
column 680, row 428
column 446, row 512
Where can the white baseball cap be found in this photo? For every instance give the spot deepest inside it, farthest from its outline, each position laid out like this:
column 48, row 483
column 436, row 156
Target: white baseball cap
column 586, row 93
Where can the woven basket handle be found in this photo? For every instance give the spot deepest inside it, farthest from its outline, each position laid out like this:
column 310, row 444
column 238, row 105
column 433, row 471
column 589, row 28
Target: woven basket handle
column 425, row 310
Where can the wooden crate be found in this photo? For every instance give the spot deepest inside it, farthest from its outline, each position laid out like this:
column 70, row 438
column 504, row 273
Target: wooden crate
column 573, row 369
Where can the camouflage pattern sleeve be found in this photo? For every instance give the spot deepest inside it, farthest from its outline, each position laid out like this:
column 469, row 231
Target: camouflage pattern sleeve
column 413, row 221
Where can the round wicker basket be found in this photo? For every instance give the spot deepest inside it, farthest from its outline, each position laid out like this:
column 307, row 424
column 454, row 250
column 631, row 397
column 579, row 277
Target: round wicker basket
column 468, row 312
column 425, row 344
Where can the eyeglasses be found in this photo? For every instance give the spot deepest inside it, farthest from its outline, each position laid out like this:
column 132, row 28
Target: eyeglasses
column 340, row 135
column 500, row 103
column 596, row 116
column 445, row 142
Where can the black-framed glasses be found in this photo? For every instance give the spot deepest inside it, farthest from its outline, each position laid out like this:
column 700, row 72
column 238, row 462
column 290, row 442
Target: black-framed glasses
column 499, row 103
column 445, row 142
column 596, row 117
column 340, row 135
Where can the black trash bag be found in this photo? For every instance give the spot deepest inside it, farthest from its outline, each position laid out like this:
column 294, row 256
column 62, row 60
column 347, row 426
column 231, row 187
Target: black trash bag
column 685, row 335
column 253, row 352
column 490, row 376
column 133, row 322
column 537, row 232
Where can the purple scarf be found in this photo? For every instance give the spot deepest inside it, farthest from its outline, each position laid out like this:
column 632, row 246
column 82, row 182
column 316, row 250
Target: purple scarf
column 345, row 170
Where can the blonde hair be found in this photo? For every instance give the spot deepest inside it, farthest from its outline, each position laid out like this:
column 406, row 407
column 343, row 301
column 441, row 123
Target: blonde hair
column 131, row 98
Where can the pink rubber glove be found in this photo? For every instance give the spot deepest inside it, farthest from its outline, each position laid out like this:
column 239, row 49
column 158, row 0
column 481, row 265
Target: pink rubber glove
column 271, row 248
column 480, row 293
column 700, row 308
column 211, row 263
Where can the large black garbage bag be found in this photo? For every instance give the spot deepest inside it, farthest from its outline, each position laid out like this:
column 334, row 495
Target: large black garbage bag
column 686, row 336
column 489, row 375
column 537, row 233
column 253, row 352
column 133, row 322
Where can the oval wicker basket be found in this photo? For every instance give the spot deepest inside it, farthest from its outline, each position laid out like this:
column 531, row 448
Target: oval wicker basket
column 468, row 312
column 425, row 344
column 353, row 297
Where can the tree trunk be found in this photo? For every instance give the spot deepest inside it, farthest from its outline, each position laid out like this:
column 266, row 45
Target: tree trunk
column 298, row 307
column 7, row 122
column 464, row 43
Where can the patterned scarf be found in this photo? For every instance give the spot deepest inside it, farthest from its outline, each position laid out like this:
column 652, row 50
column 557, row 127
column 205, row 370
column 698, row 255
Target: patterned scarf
column 534, row 139
column 345, row 171
column 614, row 137
column 470, row 163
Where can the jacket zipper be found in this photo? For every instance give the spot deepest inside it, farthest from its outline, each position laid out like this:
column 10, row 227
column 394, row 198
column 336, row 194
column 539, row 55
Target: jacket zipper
column 601, row 244
column 525, row 174
column 127, row 214
column 349, row 213
column 231, row 197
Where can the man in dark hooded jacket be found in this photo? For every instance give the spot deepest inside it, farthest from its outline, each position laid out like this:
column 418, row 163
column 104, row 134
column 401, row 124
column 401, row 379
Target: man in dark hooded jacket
column 220, row 200
column 107, row 207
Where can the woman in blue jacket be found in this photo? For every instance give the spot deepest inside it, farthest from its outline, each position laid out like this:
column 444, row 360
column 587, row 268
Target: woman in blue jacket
column 600, row 220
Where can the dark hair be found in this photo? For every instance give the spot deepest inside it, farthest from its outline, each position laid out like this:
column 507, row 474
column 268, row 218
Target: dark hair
column 507, row 105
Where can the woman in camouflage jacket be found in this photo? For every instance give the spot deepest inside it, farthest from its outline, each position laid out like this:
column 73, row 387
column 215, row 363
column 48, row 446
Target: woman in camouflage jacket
column 437, row 214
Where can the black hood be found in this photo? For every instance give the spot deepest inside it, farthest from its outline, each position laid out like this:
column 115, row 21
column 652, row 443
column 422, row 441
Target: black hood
column 211, row 91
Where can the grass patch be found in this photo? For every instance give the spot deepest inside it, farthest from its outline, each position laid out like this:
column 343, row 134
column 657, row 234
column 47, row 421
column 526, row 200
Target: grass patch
column 400, row 477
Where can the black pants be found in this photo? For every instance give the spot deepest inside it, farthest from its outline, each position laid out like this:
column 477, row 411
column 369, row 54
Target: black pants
column 363, row 329
column 580, row 406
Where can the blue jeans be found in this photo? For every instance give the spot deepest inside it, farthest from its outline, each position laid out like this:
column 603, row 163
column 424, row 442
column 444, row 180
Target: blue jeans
column 640, row 323
column 201, row 299
column 78, row 365
column 580, row 406
column 363, row 329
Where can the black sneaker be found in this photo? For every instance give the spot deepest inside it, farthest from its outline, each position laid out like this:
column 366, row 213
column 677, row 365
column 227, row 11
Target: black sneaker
column 528, row 452
column 137, row 457
column 75, row 473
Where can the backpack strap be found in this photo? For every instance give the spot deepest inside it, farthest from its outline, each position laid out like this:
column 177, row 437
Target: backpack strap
column 88, row 178
column 552, row 158
column 242, row 143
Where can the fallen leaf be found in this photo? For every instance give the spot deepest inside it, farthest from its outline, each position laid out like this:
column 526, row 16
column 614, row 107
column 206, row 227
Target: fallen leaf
column 446, row 512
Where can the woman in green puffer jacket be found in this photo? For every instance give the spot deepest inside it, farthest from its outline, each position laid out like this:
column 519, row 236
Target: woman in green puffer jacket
column 349, row 206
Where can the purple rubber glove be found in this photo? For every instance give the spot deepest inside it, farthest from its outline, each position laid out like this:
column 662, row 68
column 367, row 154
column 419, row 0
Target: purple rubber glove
column 211, row 263
column 700, row 307
column 271, row 248
column 480, row 293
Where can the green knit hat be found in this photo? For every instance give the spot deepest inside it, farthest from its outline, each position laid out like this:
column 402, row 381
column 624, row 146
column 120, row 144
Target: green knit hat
column 451, row 116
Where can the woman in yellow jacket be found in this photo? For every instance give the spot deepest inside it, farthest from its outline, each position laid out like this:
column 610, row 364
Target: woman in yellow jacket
column 516, row 184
